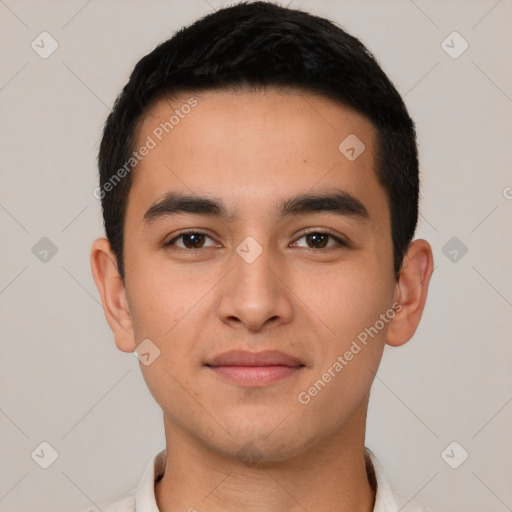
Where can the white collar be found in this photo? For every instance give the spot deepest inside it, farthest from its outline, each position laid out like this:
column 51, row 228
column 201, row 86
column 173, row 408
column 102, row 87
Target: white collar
column 386, row 500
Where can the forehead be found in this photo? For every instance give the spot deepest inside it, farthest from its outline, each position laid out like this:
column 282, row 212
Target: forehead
column 252, row 148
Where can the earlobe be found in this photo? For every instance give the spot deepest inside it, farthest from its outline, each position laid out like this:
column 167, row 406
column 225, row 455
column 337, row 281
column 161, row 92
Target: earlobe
column 411, row 292
column 113, row 294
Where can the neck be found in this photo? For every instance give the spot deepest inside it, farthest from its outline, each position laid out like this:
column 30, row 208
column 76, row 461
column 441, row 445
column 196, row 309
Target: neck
column 330, row 476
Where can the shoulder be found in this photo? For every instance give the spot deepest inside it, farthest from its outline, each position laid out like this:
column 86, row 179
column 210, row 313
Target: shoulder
column 124, row 504
column 141, row 497
column 407, row 505
column 386, row 498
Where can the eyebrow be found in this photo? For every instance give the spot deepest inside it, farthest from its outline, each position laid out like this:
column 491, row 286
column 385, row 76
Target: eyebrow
column 339, row 202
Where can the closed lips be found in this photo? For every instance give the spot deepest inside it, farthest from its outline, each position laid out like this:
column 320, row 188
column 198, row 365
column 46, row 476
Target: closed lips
column 245, row 358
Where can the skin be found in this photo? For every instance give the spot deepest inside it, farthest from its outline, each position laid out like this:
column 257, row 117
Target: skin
column 305, row 298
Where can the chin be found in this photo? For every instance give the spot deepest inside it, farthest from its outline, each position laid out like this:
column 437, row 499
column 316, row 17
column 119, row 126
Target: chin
column 260, row 445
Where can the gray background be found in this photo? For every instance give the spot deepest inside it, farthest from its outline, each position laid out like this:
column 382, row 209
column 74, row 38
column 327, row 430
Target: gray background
column 62, row 379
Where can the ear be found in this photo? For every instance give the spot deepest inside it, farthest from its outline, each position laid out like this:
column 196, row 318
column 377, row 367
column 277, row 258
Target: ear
column 113, row 294
column 411, row 292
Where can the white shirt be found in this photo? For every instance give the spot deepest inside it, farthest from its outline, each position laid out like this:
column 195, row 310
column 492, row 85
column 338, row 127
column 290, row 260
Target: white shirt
column 142, row 497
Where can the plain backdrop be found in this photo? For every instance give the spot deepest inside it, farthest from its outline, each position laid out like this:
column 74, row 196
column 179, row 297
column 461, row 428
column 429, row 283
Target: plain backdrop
column 62, row 379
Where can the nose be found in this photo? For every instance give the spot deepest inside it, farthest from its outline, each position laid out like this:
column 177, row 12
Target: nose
column 255, row 293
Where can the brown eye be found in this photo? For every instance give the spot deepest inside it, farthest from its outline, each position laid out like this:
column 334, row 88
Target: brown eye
column 190, row 240
column 193, row 240
column 320, row 239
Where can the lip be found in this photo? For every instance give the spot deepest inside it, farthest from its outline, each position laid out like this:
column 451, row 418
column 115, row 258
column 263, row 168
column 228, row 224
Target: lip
column 246, row 358
column 254, row 369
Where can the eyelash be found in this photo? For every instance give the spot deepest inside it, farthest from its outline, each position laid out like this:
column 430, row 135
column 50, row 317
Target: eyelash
column 338, row 240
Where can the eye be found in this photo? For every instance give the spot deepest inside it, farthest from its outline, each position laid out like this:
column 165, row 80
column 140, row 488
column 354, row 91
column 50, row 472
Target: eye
column 191, row 240
column 319, row 239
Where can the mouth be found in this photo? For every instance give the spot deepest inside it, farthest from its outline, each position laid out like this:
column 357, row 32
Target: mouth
column 254, row 369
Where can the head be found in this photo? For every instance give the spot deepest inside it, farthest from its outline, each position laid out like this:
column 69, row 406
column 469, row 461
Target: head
column 274, row 138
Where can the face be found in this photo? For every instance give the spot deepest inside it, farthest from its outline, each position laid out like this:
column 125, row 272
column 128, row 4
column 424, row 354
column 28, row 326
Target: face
column 256, row 297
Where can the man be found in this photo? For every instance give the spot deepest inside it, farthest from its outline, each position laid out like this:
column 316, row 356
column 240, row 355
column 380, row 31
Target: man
column 259, row 184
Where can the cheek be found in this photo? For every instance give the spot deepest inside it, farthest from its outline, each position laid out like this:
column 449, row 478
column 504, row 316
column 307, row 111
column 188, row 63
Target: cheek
column 174, row 392
column 168, row 309
column 347, row 299
column 159, row 301
column 349, row 352
column 348, row 306
column 163, row 311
